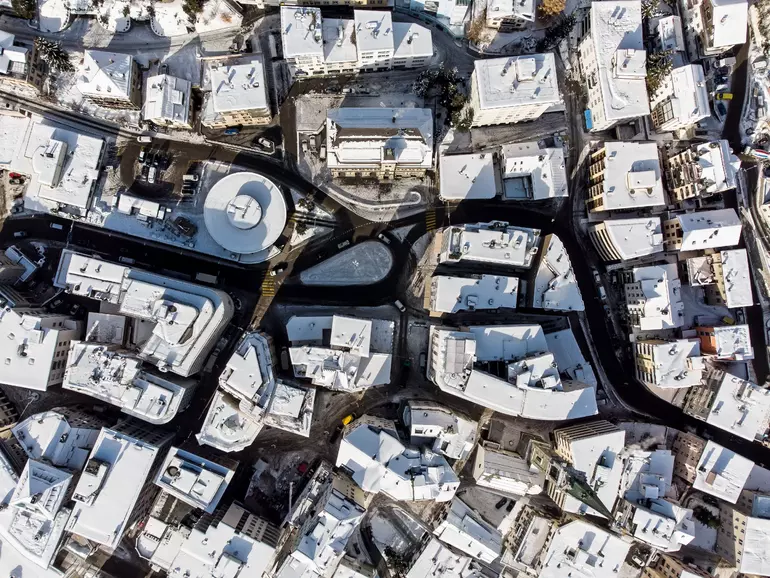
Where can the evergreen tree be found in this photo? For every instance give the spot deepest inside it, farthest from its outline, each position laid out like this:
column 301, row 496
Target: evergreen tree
column 53, row 54
column 556, row 32
column 24, row 8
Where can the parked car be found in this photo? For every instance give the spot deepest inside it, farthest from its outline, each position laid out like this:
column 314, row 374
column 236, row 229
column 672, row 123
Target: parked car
column 144, row 138
column 151, row 174
column 142, row 154
column 192, row 178
column 343, row 244
column 383, row 238
column 233, row 130
column 400, row 306
column 278, row 269
column 20, row 234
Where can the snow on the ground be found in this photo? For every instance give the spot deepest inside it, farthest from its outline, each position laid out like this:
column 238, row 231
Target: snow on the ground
column 361, row 264
column 556, row 288
column 311, row 231
column 53, row 15
column 695, row 306
column 645, row 434
column 314, row 211
column 495, row 42
column 385, row 535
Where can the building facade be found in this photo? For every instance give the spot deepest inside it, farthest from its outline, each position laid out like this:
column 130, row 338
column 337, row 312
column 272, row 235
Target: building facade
column 700, row 171
column 110, row 80
column 687, row 450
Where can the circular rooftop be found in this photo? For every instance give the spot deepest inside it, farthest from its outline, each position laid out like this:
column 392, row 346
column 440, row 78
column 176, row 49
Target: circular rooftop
column 245, row 212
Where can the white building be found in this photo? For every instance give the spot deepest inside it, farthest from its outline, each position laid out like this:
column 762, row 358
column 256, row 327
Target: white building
column 236, row 543
column 16, row 267
column 248, row 375
column 449, row 294
column 175, row 323
column 739, row 406
column 510, row 15
column 681, row 100
column 62, row 437
column 339, row 352
column 626, row 239
column 168, row 101
column 465, row 530
column 36, row 343
column 226, row 427
column 669, row 364
column 238, row 93
column 438, row 560
column 112, row 482
column 110, row 79
column 533, row 173
column 701, row 170
column 569, row 357
column 326, row 515
column 116, row 376
column 670, row 34
column 527, row 382
column 505, row 472
column 378, row 142
column 613, row 64
column 736, row 278
column 513, row 89
column 495, row 242
column 714, row 26
column 466, row 177
column 730, row 342
column 625, row 176
column 33, row 517
column 703, row 230
column 722, row 473
column 585, row 550
column 555, row 287
column 369, row 42
column 447, row 432
column 654, row 297
column 378, row 462
column 193, row 479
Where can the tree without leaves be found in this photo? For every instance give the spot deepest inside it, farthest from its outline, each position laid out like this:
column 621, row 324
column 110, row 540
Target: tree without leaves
column 550, row 8
column 24, row 8
column 476, row 29
column 53, row 54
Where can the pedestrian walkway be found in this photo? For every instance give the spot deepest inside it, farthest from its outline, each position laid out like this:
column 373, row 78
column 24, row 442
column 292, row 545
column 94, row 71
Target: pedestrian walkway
column 430, row 219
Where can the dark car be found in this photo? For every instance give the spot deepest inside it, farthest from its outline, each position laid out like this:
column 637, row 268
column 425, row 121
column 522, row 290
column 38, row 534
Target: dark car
column 185, row 226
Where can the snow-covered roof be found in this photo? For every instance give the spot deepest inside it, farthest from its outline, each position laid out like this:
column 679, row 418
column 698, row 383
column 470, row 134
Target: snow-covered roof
column 722, row 472
column 439, row 560
column 663, row 525
column 733, row 342
column 506, row 472
column 494, row 242
column 239, row 86
column 338, row 45
column 647, row 473
column 113, row 375
column 335, row 351
column 532, row 172
column 678, row 363
column 740, row 407
column 291, row 408
column 109, row 487
column 226, row 427
column 130, row 205
column 13, row 59
column 584, row 550
column 730, row 22
column 301, row 32
column 598, row 458
column 245, row 213
column 655, row 296
column 183, row 320
column 452, row 435
column 34, row 518
column 508, row 342
column 106, row 74
column 523, row 9
column 671, row 36
column 754, row 560
column 379, row 462
column 569, row 357
column 410, row 40
column 453, row 294
column 51, row 437
column 249, row 371
column 690, row 101
column 193, row 479
column 15, row 255
column 616, row 31
column 632, row 175
column 167, row 99
column 710, row 229
column 464, row 529
column 634, row 238
column 716, row 165
column 735, row 272
column 30, row 340
column 517, row 81
column 467, row 176
column 362, row 137
column 555, row 286
column 374, row 30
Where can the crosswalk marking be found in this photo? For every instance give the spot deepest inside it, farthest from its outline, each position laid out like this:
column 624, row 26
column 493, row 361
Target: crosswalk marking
column 430, row 219
column 268, row 287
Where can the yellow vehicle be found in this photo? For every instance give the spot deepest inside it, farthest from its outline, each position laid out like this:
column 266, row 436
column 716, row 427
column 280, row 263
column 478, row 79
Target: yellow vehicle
column 724, row 95
column 728, row 320
column 347, row 419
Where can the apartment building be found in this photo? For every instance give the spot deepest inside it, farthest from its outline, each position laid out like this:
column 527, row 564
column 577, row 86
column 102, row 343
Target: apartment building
column 506, row 472
column 168, row 101
column 600, row 551
column 713, row 26
column 238, row 93
column 530, row 172
column 626, row 239
column 530, row 535
column 612, row 61
column 35, row 346
column 314, row 46
column 682, row 99
column 379, row 143
column 654, row 297
column 464, row 529
column 449, row 294
column 511, row 15
column 513, row 89
column 493, row 242
column 743, row 531
column 725, row 277
column 700, row 171
column 722, row 473
column 624, row 176
column 110, row 79
column 19, row 64
column 669, row 364
column 701, row 230
column 726, row 343
column 665, row 566
column 687, row 450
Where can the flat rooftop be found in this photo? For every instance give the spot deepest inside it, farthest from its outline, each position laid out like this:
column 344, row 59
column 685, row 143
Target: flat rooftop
column 635, row 238
column 710, row 229
column 531, row 172
column 467, row 176
column 577, row 546
column 730, row 21
column 239, row 86
column 517, row 81
column 374, row 30
column 193, row 479
column 632, row 175
column 452, row 294
column 494, row 242
column 338, row 45
column 301, row 32
column 735, row 270
column 721, row 472
column 677, row 363
column 740, row 407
